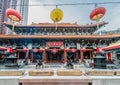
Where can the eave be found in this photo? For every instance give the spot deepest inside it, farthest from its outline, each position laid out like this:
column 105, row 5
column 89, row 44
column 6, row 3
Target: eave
column 42, row 25
column 2, row 36
column 112, row 47
column 3, row 48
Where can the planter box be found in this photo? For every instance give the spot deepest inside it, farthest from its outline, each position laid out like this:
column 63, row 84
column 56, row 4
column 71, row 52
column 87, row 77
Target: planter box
column 69, row 72
column 117, row 73
column 47, row 72
column 11, row 73
column 100, row 73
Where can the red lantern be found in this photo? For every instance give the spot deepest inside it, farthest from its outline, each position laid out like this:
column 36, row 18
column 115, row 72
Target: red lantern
column 35, row 50
column 25, row 49
column 41, row 49
column 66, row 49
column 83, row 49
column 9, row 50
column 97, row 13
column 98, row 49
column 13, row 15
column 73, row 50
column 54, row 50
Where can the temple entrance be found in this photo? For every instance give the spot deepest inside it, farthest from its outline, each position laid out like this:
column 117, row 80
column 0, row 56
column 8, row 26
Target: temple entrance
column 54, row 55
column 22, row 55
column 37, row 56
column 88, row 57
column 73, row 57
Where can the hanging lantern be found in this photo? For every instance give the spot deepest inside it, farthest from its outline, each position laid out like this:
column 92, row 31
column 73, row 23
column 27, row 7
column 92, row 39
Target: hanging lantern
column 13, row 15
column 25, row 49
column 35, row 50
column 73, row 50
column 98, row 50
column 66, row 49
column 97, row 13
column 83, row 49
column 54, row 50
column 41, row 49
column 9, row 50
column 56, row 15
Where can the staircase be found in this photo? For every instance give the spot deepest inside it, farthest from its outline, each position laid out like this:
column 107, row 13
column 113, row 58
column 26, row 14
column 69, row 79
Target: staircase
column 116, row 62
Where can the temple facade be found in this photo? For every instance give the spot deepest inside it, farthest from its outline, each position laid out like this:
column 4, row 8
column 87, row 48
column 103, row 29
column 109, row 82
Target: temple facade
column 54, row 43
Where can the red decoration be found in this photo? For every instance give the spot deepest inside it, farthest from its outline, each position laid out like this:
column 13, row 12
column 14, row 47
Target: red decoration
column 41, row 49
column 98, row 49
column 9, row 50
column 35, row 50
column 25, row 49
column 83, row 49
column 13, row 15
column 109, row 55
column 66, row 49
column 73, row 50
column 97, row 13
column 54, row 50
column 54, row 43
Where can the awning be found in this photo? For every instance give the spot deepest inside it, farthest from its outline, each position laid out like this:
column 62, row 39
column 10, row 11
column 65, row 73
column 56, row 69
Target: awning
column 112, row 46
column 3, row 48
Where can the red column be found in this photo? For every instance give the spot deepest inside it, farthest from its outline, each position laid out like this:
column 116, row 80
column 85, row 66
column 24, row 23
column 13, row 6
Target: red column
column 32, row 57
column 44, row 59
column 81, row 56
column 77, row 57
column 26, row 57
column 91, row 57
column 65, row 56
column 18, row 55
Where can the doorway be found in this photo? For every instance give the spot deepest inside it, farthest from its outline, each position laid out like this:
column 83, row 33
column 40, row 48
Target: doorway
column 54, row 56
column 37, row 56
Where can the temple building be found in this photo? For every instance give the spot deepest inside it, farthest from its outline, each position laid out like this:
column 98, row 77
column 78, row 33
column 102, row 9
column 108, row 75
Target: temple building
column 54, row 43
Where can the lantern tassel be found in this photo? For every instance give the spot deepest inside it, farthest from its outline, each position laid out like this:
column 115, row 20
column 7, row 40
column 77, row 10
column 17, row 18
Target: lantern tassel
column 13, row 26
column 56, row 25
column 97, row 24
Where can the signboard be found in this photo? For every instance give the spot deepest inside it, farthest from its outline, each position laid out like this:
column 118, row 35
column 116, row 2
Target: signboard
column 54, row 44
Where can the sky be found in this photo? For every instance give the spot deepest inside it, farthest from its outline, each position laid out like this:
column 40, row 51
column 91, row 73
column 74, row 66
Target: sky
column 75, row 13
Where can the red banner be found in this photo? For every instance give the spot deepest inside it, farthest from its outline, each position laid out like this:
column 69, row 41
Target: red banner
column 54, row 44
